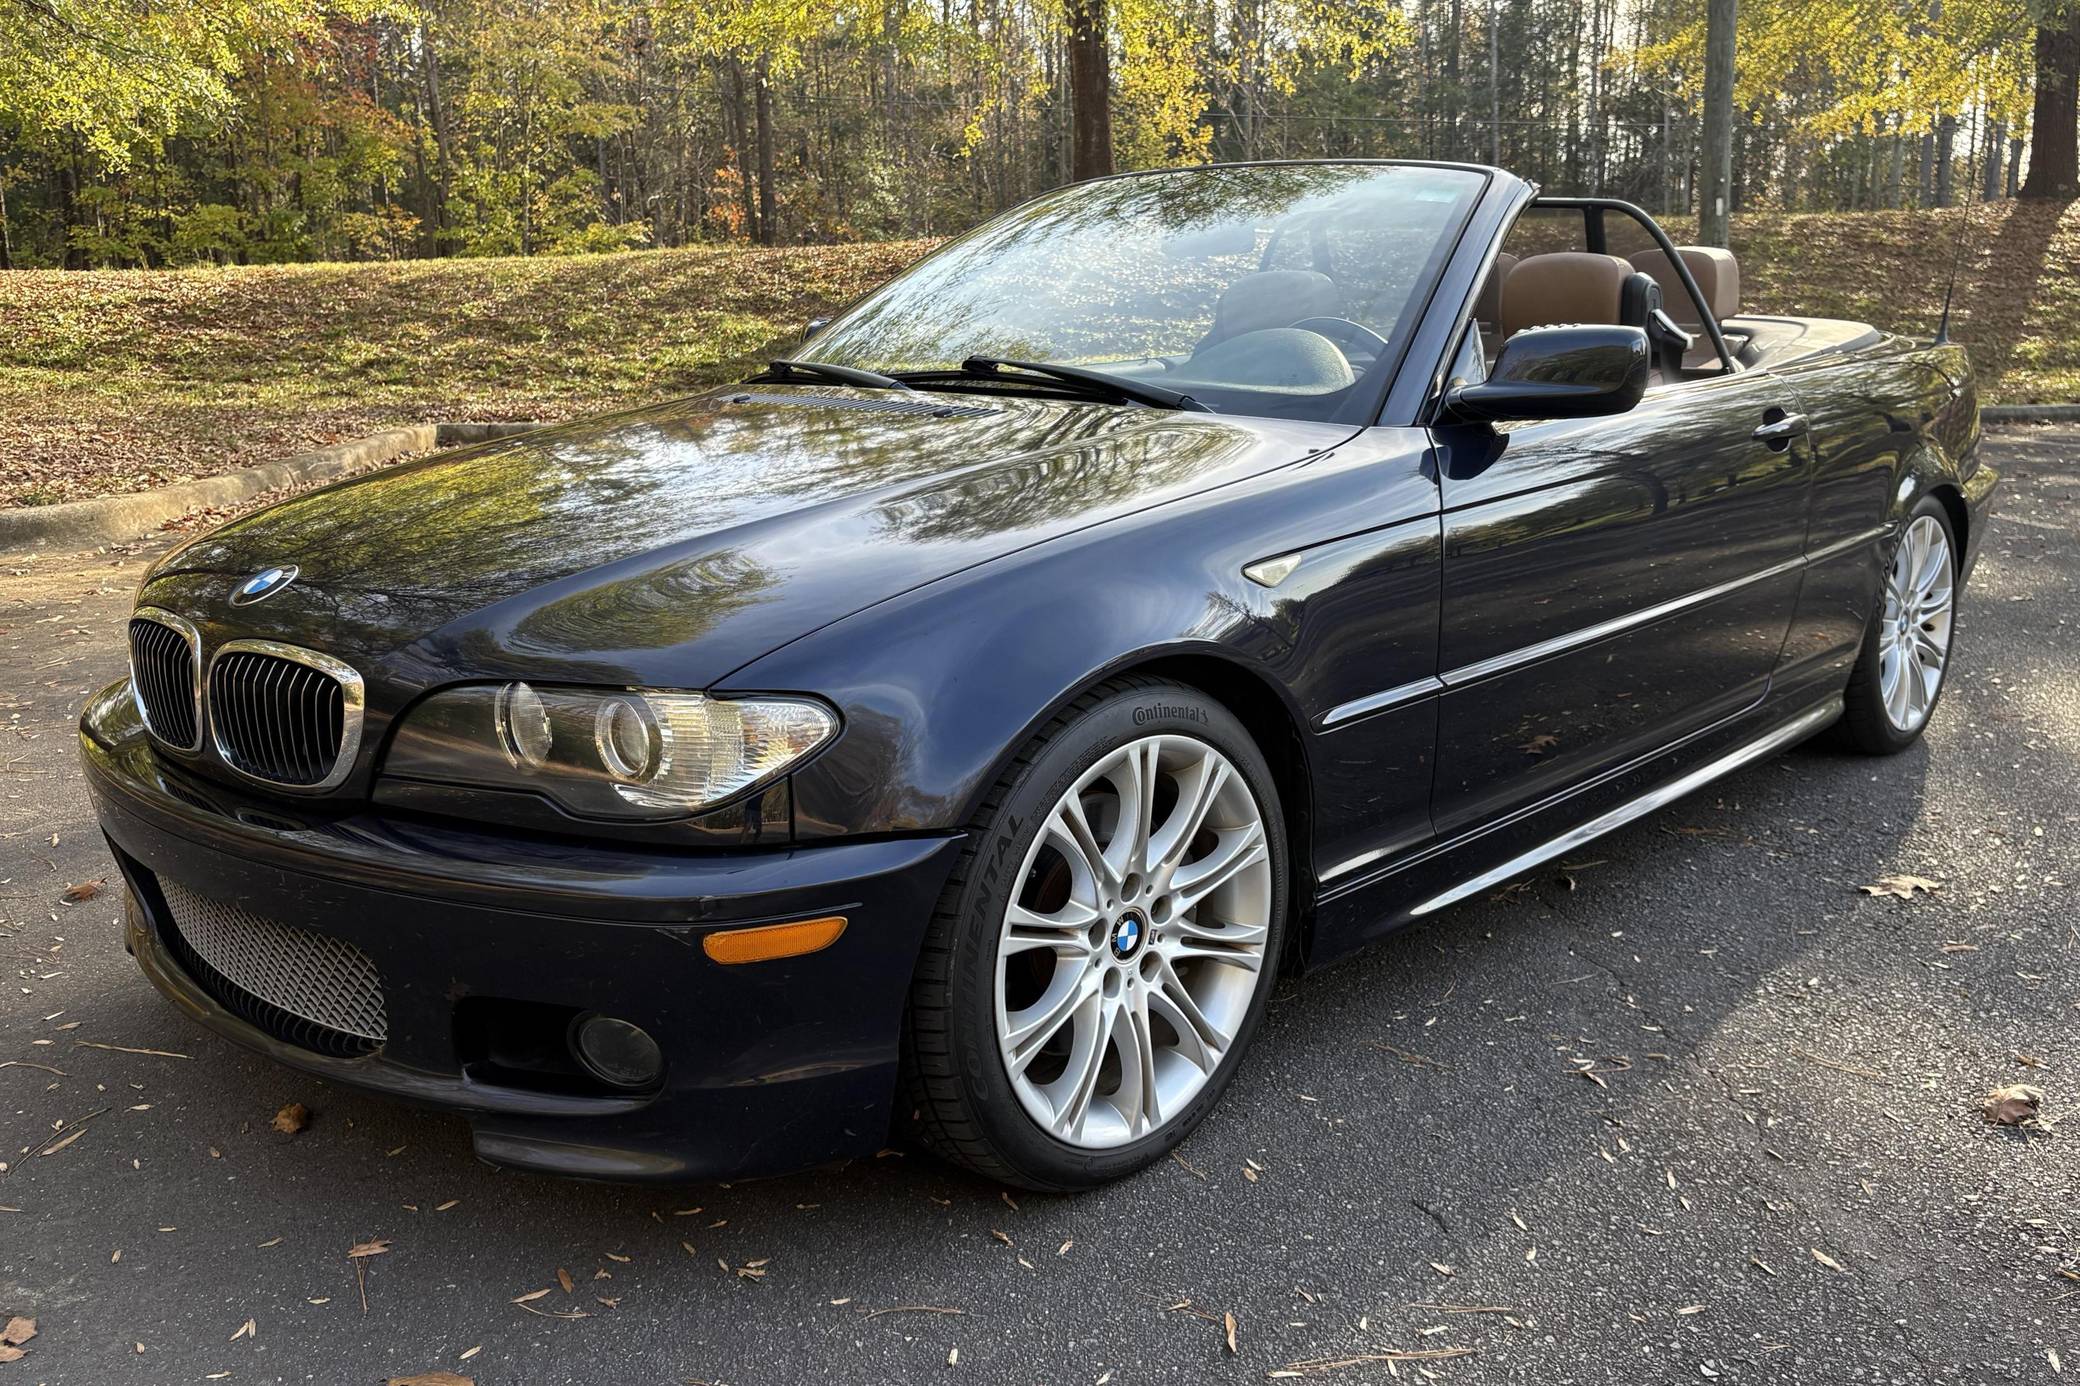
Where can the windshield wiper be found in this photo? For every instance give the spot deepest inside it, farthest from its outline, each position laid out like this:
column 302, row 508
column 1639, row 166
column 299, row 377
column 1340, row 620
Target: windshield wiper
column 1096, row 382
column 844, row 375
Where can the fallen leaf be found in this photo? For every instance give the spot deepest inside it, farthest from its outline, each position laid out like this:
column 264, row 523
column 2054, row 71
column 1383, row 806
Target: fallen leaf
column 432, row 1379
column 2018, row 1104
column 365, row 1249
column 292, row 1118
column 1824, row 1259
column 9, row 1353
column 248, row 1329
column 530, row 1297
column 563, row 1278
column 58, row 1145
column 18, row 1331
column 1902, row 886
column 1228, row 1323
column 83, row 892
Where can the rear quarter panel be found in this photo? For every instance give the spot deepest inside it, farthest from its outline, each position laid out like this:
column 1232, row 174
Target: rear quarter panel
column 1892, row 422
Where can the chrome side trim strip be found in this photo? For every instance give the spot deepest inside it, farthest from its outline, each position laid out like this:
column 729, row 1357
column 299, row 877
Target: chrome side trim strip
column 353, row 695
column 1842, row 546
column 184, row 628
column 1588, row 635
column 1380, row 702
column 1344, row 868
column 1797, row 728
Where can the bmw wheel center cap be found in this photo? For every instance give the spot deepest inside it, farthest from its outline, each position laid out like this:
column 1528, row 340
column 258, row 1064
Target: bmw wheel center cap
column 264, row 583
column 1128, row 935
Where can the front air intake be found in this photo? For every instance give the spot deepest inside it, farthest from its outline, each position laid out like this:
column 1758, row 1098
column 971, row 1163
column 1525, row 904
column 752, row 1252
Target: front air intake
column 307, row 989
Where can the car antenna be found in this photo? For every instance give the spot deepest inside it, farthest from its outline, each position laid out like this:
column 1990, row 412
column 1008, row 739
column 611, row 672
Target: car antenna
column 1971, row 176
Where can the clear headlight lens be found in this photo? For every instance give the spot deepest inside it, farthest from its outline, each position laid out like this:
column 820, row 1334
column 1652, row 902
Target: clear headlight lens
column 604, row 752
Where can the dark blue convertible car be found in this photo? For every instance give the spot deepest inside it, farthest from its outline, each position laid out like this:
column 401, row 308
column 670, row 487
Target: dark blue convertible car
column 955, row 727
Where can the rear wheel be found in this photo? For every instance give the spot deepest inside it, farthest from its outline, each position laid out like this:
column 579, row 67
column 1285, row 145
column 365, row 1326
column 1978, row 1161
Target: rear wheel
column 1899, row 674
column 1101, row 956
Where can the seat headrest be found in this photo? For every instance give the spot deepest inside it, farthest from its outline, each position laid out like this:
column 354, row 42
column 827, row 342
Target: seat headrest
column 1273, row 298
column 1718, row 277
column 1488, row 307
column 1567, row 286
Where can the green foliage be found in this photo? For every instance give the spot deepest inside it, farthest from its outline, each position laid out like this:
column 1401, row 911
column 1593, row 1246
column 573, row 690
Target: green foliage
column 110, row 74
column 184, row 132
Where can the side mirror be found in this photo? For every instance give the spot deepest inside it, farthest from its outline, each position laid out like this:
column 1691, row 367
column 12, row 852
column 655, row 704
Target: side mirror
column 813, row 326
column 1559, row 373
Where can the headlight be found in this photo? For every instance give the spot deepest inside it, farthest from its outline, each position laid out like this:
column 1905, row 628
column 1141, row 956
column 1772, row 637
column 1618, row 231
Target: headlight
column 607, row 752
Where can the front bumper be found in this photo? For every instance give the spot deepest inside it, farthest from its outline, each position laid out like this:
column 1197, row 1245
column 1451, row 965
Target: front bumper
column 769, row 1066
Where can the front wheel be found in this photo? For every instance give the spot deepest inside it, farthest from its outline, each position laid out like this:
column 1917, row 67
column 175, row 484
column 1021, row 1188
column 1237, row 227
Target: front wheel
column 1102, row 954
column 1906, row 649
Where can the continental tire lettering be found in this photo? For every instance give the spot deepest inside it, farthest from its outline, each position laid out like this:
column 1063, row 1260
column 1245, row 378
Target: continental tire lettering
column 1156, row 712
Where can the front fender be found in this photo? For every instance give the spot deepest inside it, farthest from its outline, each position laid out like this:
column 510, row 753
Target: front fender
column 940, row 687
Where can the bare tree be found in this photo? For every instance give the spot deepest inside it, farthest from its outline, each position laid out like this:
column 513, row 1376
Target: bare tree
column 1715, row 185
column 2054, row 170
column 1090, row 90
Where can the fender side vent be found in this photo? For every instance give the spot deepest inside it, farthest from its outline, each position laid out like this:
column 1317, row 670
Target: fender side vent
column 886, row 406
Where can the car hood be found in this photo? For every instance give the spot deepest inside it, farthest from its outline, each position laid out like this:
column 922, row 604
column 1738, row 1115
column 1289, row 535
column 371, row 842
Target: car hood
column 673, row 544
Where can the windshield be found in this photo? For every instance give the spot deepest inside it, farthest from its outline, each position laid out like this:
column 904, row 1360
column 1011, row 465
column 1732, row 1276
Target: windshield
column 1278, row 289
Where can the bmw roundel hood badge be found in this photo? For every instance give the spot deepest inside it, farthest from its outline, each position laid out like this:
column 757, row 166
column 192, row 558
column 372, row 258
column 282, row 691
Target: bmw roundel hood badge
column 262, row 584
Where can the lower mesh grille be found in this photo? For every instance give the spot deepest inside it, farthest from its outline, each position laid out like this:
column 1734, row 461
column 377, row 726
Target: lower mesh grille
column 304, row 988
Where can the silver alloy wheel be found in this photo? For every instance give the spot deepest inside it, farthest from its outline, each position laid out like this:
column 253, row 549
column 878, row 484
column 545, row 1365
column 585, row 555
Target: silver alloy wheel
column 1914, row 632
column 1134, row 947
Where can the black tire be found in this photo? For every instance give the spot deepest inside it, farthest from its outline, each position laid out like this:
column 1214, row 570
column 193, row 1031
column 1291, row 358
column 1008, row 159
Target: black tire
column 961, row 1104
column 1865, row 726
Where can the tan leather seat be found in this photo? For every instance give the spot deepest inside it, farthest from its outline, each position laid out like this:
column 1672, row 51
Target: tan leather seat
column 1567, row 286
column 1487, row 309
column 1272, row 298
column 1718, row 277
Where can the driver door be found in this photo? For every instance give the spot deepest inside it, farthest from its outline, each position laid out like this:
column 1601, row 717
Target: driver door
column 1611, row 585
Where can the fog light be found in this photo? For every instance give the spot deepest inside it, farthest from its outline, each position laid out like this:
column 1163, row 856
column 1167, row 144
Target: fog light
column 616, row 1052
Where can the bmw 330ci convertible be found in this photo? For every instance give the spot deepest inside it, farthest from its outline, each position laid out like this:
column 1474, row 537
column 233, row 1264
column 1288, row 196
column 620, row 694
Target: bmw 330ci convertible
column 955, row 728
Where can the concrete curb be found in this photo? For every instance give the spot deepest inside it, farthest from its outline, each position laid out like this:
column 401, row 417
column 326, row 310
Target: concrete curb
column 110, row 519
column 2030, row 413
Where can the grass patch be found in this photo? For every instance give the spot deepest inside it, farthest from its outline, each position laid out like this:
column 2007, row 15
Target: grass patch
column 122, row 380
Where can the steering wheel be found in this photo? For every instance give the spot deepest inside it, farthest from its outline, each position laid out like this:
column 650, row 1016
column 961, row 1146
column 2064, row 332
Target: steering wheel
column 1346, row 334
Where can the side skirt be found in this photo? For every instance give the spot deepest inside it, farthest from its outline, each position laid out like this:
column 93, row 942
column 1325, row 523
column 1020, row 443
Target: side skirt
column 1347, row 917
column 1797, row 729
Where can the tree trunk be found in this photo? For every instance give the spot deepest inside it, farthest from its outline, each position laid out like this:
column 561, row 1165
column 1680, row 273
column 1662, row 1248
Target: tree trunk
column 768, row 196
column 1090, row 90
column 1946, row 159
column 1715, row 186
column 1990, row 172
column 2054, row 127
column 1495, row 86
column 739, row 120
column 1896, row 173
column 437, row 110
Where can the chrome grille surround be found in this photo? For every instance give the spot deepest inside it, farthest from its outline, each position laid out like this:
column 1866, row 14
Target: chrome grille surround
column 271, row 714
column 295, row 974
column 166, row 674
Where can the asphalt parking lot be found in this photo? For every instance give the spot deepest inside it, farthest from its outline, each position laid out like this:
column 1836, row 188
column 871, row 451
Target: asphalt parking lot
column 1692, row 1107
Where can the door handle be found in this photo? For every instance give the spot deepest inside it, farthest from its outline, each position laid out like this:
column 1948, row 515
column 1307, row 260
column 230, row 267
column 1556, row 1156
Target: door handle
column 1778, row 431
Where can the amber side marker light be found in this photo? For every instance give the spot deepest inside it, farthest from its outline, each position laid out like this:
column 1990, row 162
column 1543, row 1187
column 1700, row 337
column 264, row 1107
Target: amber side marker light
column 766, row 942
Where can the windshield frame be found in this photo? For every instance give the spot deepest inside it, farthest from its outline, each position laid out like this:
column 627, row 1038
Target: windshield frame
column 1360, row 404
